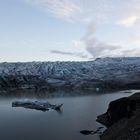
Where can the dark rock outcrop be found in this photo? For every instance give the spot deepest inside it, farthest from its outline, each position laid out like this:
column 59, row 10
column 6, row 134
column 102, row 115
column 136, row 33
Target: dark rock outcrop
column 117, row 110
column 92, row 132
column 122, row 119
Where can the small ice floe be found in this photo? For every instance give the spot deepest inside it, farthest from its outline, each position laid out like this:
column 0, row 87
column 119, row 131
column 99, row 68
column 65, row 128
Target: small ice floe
column 97, row 89
column 37, row 105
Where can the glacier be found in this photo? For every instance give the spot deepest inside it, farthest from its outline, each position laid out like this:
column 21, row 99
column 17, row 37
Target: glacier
column 102, row 73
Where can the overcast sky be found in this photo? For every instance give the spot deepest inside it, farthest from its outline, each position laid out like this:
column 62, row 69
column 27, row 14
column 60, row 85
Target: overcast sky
column 62, row 30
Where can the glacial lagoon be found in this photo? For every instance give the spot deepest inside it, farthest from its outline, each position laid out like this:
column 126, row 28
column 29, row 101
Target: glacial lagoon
column 78, row 113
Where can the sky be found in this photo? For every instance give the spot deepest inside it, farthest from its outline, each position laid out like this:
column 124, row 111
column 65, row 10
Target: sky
column 68, row 30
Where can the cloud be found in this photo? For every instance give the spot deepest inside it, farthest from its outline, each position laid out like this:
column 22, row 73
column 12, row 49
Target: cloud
column 64, row 9
column 134, row 39
column 122, row 12
column 129, row 21
column 77, row 43
column 99, row 49
column 80, row 55
column 130, row 52
column 97, row 10
column 95, row 47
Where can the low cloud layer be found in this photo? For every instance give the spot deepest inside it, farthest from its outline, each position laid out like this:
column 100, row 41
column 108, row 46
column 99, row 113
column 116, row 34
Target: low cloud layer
column 80, row 55
column 98, row 49
column 95, row 47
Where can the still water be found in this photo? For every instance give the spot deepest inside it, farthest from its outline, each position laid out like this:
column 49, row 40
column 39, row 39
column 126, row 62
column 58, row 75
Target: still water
column 78, row 112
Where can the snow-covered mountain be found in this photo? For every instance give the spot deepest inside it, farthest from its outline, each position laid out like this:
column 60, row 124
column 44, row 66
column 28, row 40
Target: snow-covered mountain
column 101, row 73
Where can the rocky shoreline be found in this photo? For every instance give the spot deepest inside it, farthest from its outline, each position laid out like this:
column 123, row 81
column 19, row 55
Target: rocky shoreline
column 122, row 119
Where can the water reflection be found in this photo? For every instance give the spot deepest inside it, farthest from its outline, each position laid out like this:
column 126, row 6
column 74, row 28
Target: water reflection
column 46, row 94
column 55, row 94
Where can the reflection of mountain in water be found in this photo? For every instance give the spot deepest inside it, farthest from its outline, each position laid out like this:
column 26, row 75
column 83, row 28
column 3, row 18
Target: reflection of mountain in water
column 45, row 94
